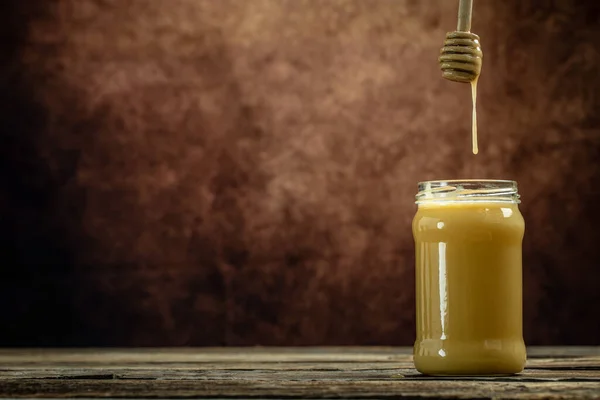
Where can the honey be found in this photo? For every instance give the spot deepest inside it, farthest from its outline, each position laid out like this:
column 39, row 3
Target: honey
column 474, row 116
column 468, row 238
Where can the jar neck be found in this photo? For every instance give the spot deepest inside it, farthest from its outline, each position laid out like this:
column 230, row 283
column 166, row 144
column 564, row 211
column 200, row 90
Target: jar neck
column 468, row 191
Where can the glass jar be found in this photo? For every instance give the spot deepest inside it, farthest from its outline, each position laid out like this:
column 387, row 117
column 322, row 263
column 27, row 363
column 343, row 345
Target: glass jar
column 468, row 242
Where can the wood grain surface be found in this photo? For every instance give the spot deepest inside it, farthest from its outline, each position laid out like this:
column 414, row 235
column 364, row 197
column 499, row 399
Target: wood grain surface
column 308, row 372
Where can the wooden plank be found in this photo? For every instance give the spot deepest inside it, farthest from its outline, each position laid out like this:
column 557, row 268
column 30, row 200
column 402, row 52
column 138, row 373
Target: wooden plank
column 562, row 351
column 256, row 372
column 254, row 354
column 540, row 363
column 281, row 373
column 299, row 389
column 199, row 355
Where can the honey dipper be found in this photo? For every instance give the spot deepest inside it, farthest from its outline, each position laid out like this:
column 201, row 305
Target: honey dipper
column 461, row 56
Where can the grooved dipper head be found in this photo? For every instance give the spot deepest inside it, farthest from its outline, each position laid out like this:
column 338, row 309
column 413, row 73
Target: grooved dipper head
column 461, row 57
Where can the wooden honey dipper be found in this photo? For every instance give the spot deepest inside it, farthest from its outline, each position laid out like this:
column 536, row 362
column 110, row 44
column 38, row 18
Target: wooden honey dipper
column 461, row 56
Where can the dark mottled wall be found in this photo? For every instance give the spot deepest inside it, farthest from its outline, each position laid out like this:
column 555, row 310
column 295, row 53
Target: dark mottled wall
column 207, row 172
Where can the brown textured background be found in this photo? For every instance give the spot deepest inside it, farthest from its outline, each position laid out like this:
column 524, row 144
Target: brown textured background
column 207, row 172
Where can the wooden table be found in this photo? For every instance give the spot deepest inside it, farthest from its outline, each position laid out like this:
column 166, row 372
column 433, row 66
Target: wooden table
column 348, row 372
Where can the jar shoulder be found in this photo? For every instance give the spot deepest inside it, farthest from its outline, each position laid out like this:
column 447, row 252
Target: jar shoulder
column 446, row 217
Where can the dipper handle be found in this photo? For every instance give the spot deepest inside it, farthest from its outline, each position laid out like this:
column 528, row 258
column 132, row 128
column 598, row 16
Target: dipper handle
column 465, row 10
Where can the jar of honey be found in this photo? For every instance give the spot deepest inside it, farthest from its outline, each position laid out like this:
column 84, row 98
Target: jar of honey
column 468, row 241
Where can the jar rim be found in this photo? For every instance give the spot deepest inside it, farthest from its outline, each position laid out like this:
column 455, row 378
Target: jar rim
column 468, row 190
column 469, row 181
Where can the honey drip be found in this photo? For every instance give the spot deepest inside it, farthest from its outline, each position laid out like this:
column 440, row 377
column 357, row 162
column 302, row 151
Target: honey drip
column 474, row 118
